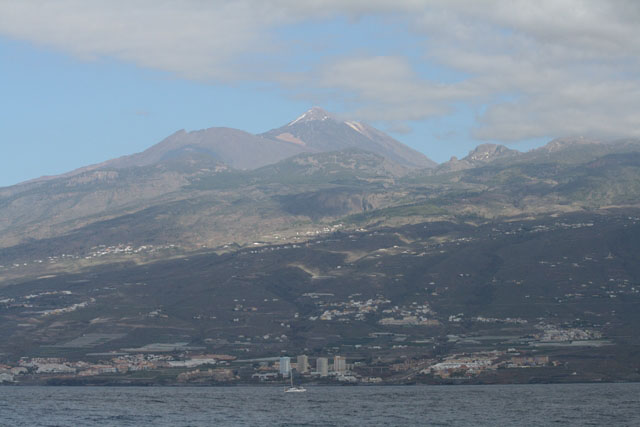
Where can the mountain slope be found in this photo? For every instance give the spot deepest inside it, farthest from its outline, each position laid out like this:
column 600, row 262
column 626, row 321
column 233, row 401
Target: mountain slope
column 236, row 148
column 561, row 286
column 242, row 150
column 54, row 207
column 168, row 171
column 318, row 131
column 183, row 192
column 189, row 201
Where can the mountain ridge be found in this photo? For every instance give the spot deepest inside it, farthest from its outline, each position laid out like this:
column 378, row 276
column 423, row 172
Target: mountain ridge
column 184, row 190
column 243, row 150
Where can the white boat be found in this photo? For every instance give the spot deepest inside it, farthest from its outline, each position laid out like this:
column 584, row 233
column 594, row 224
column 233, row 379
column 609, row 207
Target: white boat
column 292, row 388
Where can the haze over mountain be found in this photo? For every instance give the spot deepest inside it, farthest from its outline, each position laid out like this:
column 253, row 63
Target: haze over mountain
column 315, row 131
column 174, row 169
column 222, row 187
column 203, row 187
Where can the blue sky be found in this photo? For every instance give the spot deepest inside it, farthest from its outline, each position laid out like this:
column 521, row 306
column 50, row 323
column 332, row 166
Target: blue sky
column 61, row 113
column 83, row 82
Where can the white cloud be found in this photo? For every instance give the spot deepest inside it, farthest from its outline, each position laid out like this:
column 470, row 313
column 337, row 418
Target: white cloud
column 565, row 68
column 389, row 89
column 194, row 39
column 544, row 68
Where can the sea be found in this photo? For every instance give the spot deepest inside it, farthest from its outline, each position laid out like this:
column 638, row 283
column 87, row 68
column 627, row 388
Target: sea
column 494, row 405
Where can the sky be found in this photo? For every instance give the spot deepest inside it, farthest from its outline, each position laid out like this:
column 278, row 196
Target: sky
column 84, row 81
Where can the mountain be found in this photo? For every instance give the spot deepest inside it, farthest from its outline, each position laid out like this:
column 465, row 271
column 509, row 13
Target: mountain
column 315, row 131
column 191, row 200
column 197, row 166
column 236, row 148
column 579, row 150
column 481, row 155
column 561, row 152
column 182, row 193
column 486, row 153
column 318, row 131
column 233, row 147
column 324, row 252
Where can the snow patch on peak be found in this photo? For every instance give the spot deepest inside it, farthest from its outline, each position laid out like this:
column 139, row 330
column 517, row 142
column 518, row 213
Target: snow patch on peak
column 360, row 128
column 315, row 113
column 298, row 119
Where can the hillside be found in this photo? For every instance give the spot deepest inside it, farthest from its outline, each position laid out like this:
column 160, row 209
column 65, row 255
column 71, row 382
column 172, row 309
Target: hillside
column 565, row 287
column 193, row 201
column 499, row 255
column 192, row 173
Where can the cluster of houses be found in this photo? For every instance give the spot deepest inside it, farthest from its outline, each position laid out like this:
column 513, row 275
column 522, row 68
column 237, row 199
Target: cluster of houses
column 119, row 364
column 473, row 364
column 353, row 309
column 414, row 314
column 190, row 368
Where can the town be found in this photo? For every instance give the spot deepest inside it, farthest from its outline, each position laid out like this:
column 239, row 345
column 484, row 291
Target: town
column 386, row 306
column 224, row 369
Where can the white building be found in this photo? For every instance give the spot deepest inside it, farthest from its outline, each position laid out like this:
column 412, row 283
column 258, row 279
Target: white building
column 322, row 366
column 285, row 366
column 302, row 363
column 54, row 368
column 340, row 364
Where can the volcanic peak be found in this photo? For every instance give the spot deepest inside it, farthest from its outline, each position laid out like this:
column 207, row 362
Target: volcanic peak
column 315, row 113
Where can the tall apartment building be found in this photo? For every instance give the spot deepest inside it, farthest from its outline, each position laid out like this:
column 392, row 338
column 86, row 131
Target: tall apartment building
column 322, row 366
column 285, row 366
column 340, row 364
column 303, row 363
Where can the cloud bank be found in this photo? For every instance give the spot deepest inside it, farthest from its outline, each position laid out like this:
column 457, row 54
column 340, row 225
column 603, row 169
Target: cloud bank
column 530, row 69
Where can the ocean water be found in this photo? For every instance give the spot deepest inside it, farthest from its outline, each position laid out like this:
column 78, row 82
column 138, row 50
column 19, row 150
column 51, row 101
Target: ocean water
column 503, row 405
